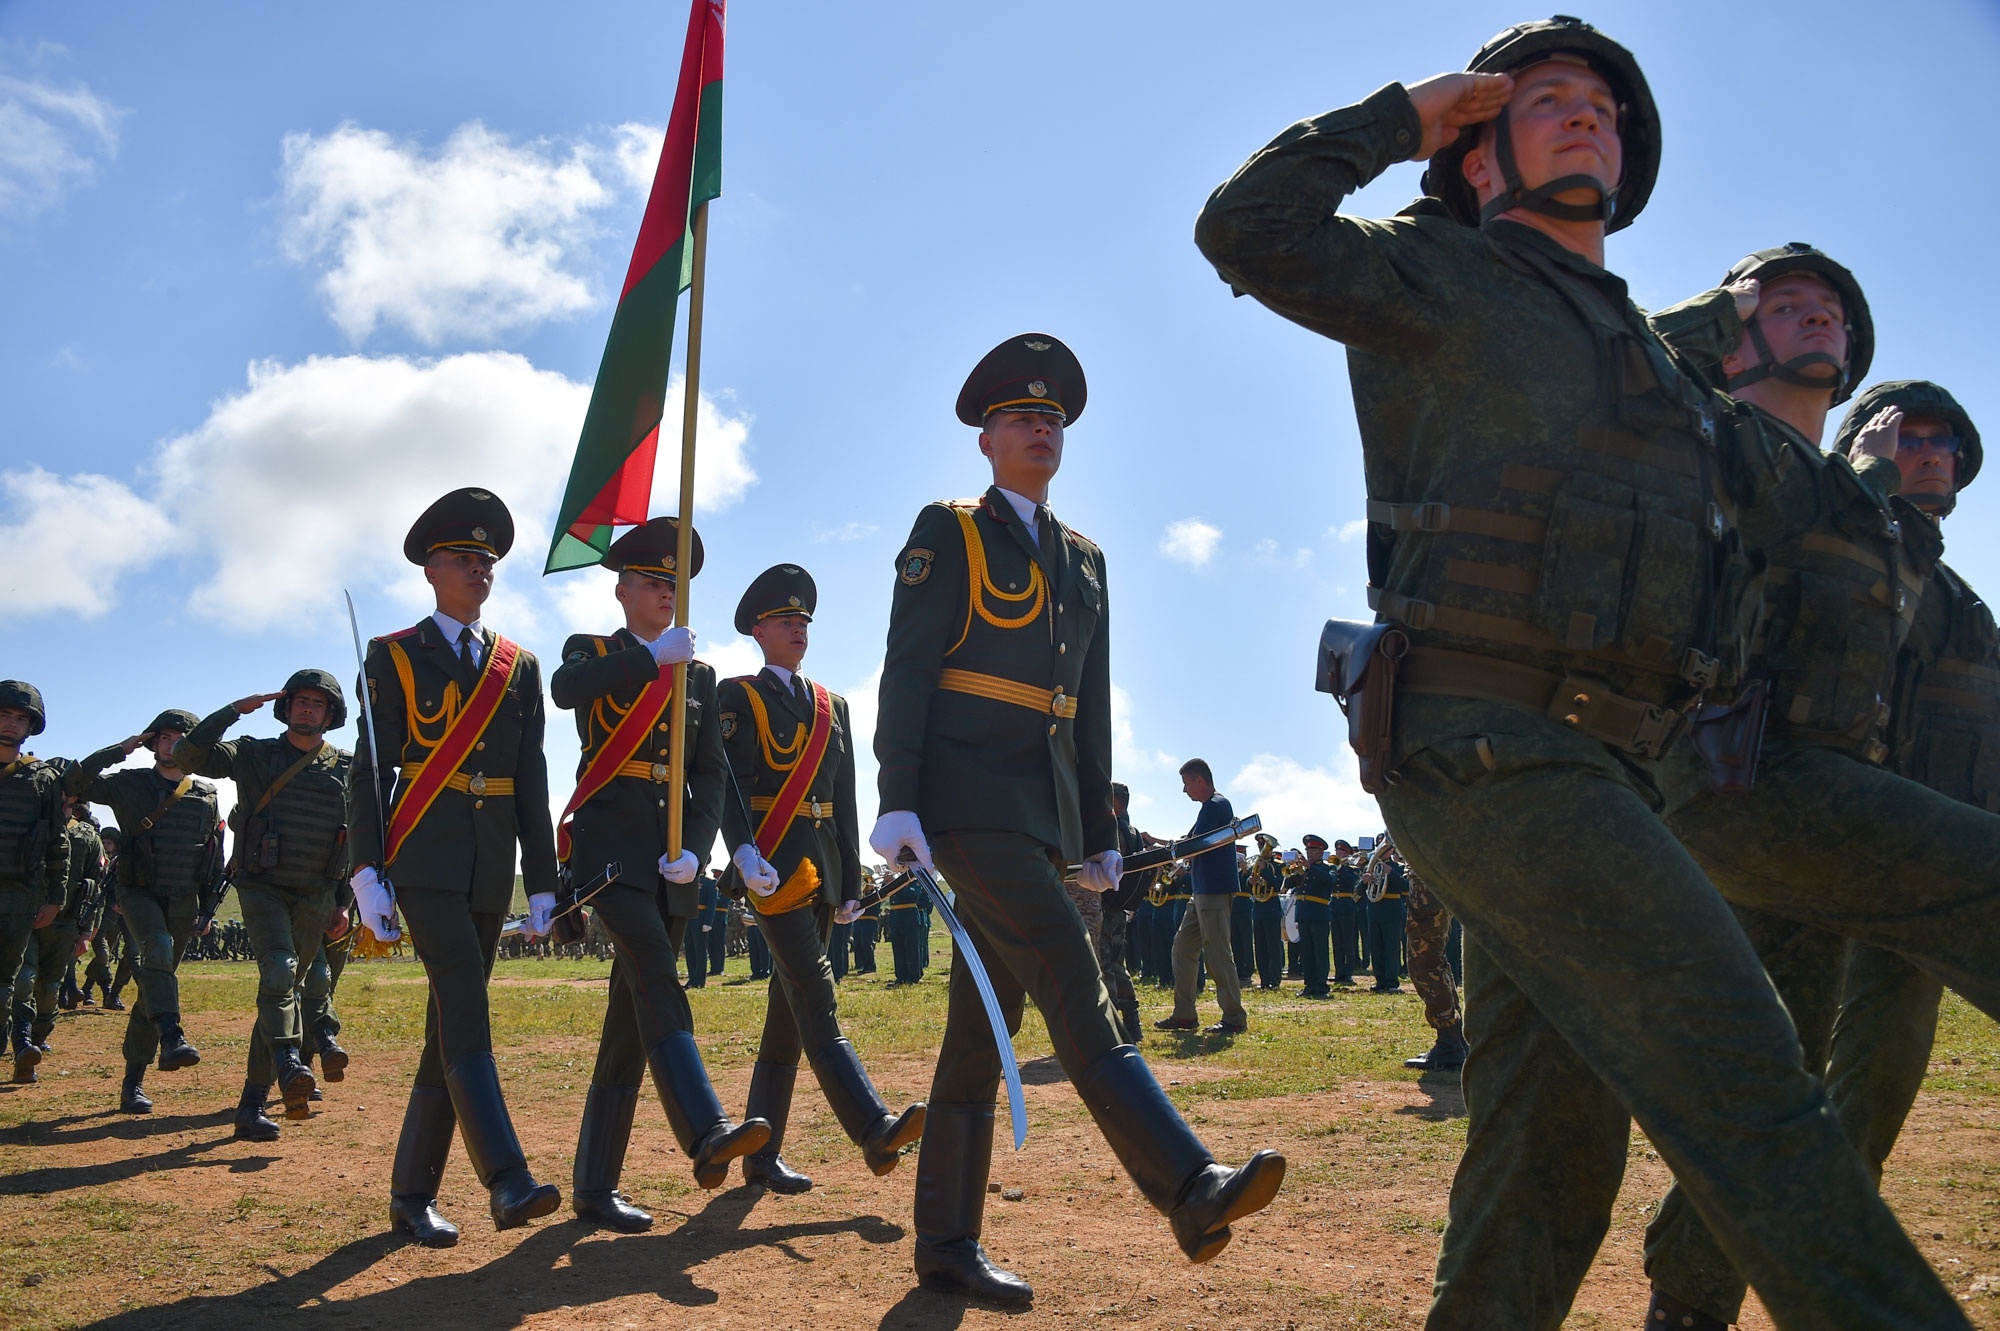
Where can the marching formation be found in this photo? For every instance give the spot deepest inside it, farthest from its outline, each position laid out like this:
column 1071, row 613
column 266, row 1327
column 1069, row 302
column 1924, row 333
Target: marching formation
column 1630, row 601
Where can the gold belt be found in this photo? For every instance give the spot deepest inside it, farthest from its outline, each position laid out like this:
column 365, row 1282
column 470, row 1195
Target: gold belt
column 470, row 785
column 813, row 809
column 657, row 772
column 903, row 905
column 1317, row 901
column 1049, row 702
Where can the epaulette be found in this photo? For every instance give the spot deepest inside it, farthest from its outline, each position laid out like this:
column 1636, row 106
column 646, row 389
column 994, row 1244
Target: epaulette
column 399, row 633
column 963, row 503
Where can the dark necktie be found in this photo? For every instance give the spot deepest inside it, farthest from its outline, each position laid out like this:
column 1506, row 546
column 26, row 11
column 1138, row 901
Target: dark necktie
column 801, row 692
column 1045, row 539
column 465, row 655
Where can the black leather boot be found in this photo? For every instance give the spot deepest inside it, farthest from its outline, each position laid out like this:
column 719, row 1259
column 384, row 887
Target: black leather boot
column 693, row 1112
column 1447, row 1053
column 512, row 1194
column 175, row 1052
column 295, row 1081
column 251, row 1124
column 132, row 1096
column 26, row 1055
column 600, row 1157
column 419, row 1166
column 867, row 1121
column 332, row 1058
column 771, row 1100
column 1171, row 1167
column 1667, row 1313
column 952, row 1167
column 1135, row 1029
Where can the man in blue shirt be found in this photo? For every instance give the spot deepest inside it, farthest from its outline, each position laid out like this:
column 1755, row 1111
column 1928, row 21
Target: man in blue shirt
column 1204, row 930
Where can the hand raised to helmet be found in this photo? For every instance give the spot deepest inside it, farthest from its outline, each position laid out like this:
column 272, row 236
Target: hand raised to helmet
column 1447, row 103
column 1877, row 439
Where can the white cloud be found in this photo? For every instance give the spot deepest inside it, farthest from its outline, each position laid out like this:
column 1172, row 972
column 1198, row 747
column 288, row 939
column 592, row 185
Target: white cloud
column 847, row 531
column 474, row 240
column 1295, row 799
column 1350, row 531
column 67, row 539
column 1190, row 541
column 51, row 139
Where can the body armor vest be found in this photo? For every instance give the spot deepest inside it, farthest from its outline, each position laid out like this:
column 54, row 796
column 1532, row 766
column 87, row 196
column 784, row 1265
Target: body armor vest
column 176, row 858
column 308, row 818
column 1840, row 598
column 24, row 829
column 1609, row 555
column 1947, row 699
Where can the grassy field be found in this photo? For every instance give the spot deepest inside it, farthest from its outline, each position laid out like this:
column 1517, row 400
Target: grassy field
column 165, row 1221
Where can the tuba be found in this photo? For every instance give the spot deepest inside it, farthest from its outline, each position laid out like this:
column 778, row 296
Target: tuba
column 1262, row 889
column 1376, row 875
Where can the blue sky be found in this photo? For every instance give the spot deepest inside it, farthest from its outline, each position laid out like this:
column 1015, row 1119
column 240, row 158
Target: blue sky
column 275, row 277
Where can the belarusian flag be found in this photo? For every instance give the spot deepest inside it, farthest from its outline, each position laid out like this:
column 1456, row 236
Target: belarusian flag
column 611, row 480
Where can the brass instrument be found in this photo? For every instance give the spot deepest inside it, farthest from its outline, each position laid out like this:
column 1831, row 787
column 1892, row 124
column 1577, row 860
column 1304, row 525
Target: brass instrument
column 1262, row 889
column 1157, row 894
column 1376, row 875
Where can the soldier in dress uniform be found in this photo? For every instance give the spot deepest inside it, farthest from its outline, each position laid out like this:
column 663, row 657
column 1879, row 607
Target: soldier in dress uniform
column 994, row 742
column 905, row 916
column 791, row 747
column 1113, row 947
column 168, row 871
column 1312, row 911
column 1349, row 916
column 1385, row 923
column 288, row 862
column 1268, row 921
column 459, row 782
column 1242, row 922
column 620, row 686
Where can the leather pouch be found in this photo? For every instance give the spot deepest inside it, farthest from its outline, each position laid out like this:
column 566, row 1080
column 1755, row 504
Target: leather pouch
column 1357, row 665
column 1730, row 738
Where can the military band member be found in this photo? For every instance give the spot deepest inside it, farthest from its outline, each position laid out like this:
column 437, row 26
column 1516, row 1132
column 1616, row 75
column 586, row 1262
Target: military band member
column 1113, row 945
column 904, row 914
column 288, row 862
column 457, row 747
column 1312, row 911
column 1267, row 925
column 1350, row 916
column 994, row 742
column 1553, row 660
column 620, row 685
column 1386, row 922
column 791, row 747
column 169, row 867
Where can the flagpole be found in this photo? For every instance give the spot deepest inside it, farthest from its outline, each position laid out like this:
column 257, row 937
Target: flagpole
column 684, row 542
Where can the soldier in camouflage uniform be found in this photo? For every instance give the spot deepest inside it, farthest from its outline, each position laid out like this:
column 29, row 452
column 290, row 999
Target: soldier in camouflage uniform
column 289, row 862
column 1552, row 530
column 1427, row 925
column 169, row 872
column 34, row 853
column 57, row 943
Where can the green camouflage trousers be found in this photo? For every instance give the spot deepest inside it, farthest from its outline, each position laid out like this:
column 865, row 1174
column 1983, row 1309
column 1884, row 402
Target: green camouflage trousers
column 285, row 929
column 1426, row 927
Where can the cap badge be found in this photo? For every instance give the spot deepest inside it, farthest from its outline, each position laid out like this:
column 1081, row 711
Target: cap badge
column 481, row 495
column 1035, row 344
column 795, row 600
column 1037, row 388
column 479, row 533
column 668, row 563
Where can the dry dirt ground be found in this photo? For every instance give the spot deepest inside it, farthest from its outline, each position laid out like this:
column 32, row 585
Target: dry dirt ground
column 164, row 1221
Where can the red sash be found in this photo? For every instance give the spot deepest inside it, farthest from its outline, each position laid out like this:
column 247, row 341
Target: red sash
column 464, row 731
column 616, row 751
column 793, row 793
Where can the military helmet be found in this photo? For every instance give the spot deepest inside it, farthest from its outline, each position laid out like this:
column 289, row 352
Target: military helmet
column 336, row 701
column 1799, row 257
column 177, row 719
column 20, row 693
column 1516, row 49
column 1917, row 397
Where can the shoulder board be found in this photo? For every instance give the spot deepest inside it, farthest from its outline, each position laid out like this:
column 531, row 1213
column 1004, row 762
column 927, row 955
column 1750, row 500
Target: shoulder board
column 744, row 680
column 399, row 633
column 964, row 503
column 1080, row 538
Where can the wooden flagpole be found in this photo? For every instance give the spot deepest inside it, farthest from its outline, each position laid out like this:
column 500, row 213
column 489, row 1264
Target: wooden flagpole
column 684, row 544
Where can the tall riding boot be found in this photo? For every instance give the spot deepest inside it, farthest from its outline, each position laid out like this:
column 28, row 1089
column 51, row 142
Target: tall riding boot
column 251, row 1124
column 600, row 1157
column 771, row 1099
column 694, row 1113
column 513, row 1196
column 867, row 1121
column 26, row 1054
column 131, row 1095
column 952, row 1166
column 175, row 1051
column 1171, row 1167
column 419, row 1166
column 295, row 1081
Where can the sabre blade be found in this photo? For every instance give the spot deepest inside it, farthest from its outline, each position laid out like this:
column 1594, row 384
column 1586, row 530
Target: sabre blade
column 374, row 747
column 1010, row 1068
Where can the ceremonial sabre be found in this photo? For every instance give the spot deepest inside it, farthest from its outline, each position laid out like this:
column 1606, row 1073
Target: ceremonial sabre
column 1017, row 1107
column 612, row 872
column 1186, row 848
column 374, row 752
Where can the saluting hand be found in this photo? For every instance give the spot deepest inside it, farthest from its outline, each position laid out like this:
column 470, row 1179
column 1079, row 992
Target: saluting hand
column 1447, row 103
column 1878, row 438
column 135, row 743
column 245, row 706
column 1748, row 292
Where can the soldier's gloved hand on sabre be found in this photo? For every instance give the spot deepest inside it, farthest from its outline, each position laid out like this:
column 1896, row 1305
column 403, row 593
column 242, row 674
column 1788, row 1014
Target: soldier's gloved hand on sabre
column 673, row 647
column 541, row 910
column 896, row 829
column 680, row 869
column 378, row 908
column 758, row 875
column 849, row 912
column 1101, row 872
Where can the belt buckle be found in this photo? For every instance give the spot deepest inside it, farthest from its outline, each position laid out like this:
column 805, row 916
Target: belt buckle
column 477, row 785
column 661, row 771
column 818, row 811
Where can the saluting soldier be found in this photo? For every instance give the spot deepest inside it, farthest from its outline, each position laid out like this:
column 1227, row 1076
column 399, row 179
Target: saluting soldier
column 791, row 747
column 34, row 853
column 288, row 862
column 994, row 740
column 457, row 749
column 621, row 687
column 59, row 942
column 169, row 869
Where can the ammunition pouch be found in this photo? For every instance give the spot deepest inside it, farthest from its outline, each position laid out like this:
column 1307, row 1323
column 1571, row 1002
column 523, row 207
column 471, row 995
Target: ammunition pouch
column 1730, row 738
column 1358, row 664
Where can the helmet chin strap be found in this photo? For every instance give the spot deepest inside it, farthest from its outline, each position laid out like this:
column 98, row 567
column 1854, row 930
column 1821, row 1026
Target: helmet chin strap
column 1542, row 199
column 1792, row 371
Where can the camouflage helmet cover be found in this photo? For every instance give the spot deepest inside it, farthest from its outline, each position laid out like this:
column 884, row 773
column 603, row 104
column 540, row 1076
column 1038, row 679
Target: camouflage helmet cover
column 18, row 693
column 1798, row 257
column 1917, row 397
column 336, row 709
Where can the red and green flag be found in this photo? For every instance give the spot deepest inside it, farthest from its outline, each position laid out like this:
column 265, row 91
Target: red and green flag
column 611, row 480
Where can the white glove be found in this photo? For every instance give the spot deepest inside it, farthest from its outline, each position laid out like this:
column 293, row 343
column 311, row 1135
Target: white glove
column 758, row 875
column 680, row 870
column 541, row 908
column 849, row 912
column 673, row 647
column 1101, row 872
column 376, row 903
column 895, row 830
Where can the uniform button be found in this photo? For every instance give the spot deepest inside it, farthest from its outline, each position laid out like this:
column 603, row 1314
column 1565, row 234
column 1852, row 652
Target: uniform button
column 1059, row 608
column 663, row 753
column 480, row 745
column 479, row 804
column 663, row 725
column 1062, row 649
column 663, row 804
column 1052, row 730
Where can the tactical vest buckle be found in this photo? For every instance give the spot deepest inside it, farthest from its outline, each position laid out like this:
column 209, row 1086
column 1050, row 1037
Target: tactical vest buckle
column 1430, row 516
column 1700, row 669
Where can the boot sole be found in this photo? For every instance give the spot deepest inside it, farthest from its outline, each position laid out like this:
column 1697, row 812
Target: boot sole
column 334, row 1062
column 712, row 1172
column 297, row 1095
column 938, row 1283
column 546, row 1199
column 637, row 1223
column 187, row 1060
column 883, row 1156
column 435, row 1239
column 1256, row 1195
column 255, row 1134
column 784, row 1186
